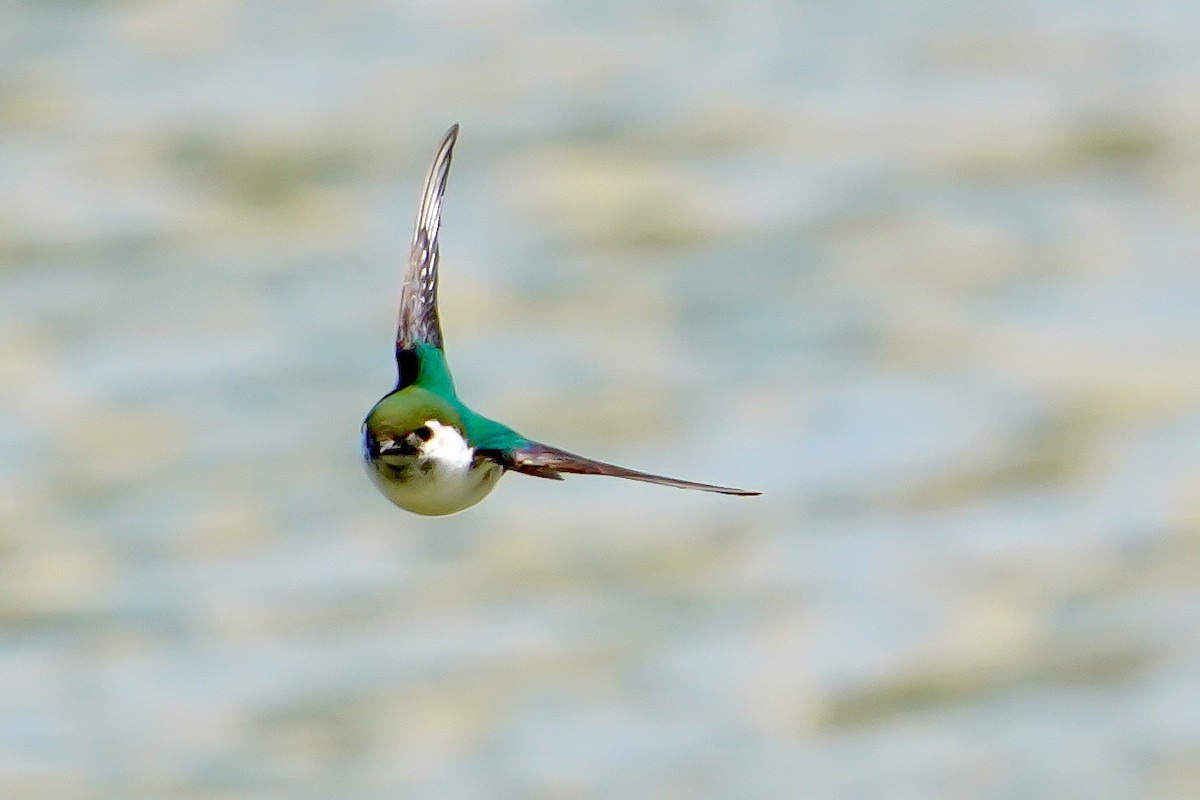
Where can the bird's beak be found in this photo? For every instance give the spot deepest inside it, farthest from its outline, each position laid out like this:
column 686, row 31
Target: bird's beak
column 410, row 445
column 389, row 447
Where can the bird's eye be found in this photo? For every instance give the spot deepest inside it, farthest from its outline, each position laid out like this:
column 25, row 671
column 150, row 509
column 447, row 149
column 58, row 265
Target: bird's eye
column 423, row 433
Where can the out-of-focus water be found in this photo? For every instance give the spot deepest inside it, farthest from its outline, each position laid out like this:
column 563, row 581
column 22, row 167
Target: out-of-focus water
column 926, row 274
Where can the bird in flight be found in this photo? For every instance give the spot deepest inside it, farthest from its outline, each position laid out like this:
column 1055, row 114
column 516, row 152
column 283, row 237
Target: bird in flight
column 425, row 450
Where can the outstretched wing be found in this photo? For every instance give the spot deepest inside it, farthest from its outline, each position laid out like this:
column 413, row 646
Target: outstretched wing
column 418, row 300
column 544, row 461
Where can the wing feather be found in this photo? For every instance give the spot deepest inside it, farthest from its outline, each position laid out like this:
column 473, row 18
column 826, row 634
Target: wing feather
column 418, row 299
column 544, row 461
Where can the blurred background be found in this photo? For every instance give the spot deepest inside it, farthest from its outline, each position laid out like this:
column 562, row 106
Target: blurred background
column 924, row 273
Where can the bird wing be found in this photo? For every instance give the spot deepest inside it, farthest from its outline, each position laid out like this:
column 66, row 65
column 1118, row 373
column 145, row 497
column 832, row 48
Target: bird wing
column 418, row 299
column 544, row 461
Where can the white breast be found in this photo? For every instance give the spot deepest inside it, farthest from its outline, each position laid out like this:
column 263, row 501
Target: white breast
column 441, row 479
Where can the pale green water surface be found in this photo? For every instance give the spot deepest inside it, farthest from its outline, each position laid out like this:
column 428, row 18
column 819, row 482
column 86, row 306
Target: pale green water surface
column 927, row 274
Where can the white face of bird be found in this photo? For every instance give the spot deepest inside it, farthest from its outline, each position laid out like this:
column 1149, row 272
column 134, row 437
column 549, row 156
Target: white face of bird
column 432, row 445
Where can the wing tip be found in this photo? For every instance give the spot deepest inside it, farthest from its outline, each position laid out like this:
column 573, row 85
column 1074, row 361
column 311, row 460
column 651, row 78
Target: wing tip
column 449, row 139
column 709, row 487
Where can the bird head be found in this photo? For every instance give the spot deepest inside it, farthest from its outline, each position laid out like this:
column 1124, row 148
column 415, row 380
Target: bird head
column 408, row 424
